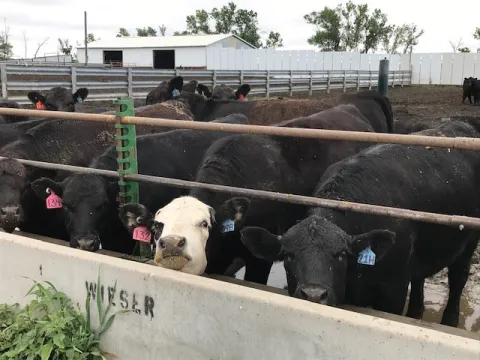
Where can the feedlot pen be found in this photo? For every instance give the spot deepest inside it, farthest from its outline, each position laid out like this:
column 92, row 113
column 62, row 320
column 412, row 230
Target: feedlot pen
column 409, row 104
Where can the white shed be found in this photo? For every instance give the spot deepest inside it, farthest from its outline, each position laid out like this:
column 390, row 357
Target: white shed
column 159, row 52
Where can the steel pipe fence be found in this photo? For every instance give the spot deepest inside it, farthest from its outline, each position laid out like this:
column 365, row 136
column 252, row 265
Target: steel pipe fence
column 444, row 142
column 110, row 83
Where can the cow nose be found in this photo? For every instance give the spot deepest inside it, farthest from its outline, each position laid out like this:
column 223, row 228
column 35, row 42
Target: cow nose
column 172, row 245
column 314, row 294
column 10, row 211
column 87, row 244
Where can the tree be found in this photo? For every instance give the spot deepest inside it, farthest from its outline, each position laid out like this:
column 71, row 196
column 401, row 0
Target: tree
column 39, row 46
column 64, row 46
column 91, row 38
column 274, row 40
column 146, row 31
column 352, row 27
column 227, row 19
column 464, row 50
column 476, row 34
column 6, row 47
column 328, row 33
column 122, row 32
column 162, row 29
column 456, row 45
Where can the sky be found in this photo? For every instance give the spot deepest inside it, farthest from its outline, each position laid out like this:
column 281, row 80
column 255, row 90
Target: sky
column 38, row 20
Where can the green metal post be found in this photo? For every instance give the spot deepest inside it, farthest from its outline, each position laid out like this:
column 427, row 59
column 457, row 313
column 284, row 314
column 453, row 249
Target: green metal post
column 126, row 141
column 383, row 77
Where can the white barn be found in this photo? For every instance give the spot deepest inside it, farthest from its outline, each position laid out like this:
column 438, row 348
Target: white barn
column 159, row 52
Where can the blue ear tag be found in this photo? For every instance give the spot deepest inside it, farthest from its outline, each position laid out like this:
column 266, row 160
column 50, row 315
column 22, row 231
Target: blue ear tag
column 228, row 226
column 366, row 257
column 175, row 93
column 79, row 100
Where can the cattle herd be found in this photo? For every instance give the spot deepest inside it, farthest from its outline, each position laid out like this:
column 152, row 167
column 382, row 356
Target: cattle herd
column 330, row 256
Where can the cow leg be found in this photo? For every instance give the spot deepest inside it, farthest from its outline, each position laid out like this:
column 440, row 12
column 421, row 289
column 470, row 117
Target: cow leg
column 457, row 278
column 463, row 99
column 416, row 305
column 257, row 270
column 391, row 297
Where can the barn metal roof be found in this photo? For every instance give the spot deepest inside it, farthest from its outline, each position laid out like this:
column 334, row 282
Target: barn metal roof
column 131, row 42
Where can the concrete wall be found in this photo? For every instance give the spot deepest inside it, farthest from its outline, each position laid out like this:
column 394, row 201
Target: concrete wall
column 180, row 316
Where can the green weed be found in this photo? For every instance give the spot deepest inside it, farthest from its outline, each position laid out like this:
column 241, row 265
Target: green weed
column 50, row 328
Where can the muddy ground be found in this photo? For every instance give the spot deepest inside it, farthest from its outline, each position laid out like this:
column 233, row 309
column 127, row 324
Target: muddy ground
column 410, row 102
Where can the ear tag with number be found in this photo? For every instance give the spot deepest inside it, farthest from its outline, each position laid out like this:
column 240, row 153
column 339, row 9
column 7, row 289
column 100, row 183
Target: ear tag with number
column 141, row 233
column 228, row 226
column 175, row 93
column 53, row 200
column 366, row 257
column 79, row 100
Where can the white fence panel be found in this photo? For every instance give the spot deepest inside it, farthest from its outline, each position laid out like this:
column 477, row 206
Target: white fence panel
column 435, row 68
column 469, row 64
column 447, row 66
column 457, row 69
column 405, row 62
column 355, row 61
column 425, row 64
column 365, row 62
column 375, row 61
column 302, row 60
column 262, row 60
column 320, row 61
column 394, row 62
column 336, row 61
column 311, row 58
column 415, row 62
column 328, row 61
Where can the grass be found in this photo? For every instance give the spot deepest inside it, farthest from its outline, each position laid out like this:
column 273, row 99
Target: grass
column 51, row 328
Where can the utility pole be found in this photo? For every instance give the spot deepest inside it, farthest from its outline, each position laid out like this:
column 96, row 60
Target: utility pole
column 86, row 37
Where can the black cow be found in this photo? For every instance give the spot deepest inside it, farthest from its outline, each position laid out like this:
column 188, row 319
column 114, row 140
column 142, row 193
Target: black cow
column 168, row 90
column 476, row 91
column 89, row 201
column 467, row 89
column 57, row 141
column 334, row 257
column 10, row 119
column 58, row 99
column 224, row 92
column 251, row 161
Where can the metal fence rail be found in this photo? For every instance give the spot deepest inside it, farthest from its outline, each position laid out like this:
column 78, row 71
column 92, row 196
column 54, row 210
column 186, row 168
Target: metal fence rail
column 109, row 84
column 445, row 142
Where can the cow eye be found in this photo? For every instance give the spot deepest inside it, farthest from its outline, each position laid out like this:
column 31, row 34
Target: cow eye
column 204, row 224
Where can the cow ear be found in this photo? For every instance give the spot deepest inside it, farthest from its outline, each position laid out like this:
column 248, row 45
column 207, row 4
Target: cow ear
column 41, row 187
column 242, row 91
column 380, row 242
column 261, row 243
column 204, row 90
column 134, row 215
column 35, row 96
column 80, row 95
column 236, row 209
column 175, row 86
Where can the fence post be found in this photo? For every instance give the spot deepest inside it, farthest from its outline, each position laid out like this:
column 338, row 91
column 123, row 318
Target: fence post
column 311, row 83
column 3, row 80
column 74, row 79
column 403, row 77
column 393, row 80
column 291, row 83
column 130, row 82
column 268, row 84
column 241, row 77
column 344, row 80
column 383, row 77
column 328, row 81
column 370, row 81
column 214, row 79
column 126, row 141
column 358, row 80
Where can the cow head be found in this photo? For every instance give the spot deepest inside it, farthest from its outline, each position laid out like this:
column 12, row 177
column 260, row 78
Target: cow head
column 58, row 99
column 468, row 83
column 87, row 201
column 224, row 92
column 315, row 254
column 179, row 230
column 167, row 90
column 12, row 183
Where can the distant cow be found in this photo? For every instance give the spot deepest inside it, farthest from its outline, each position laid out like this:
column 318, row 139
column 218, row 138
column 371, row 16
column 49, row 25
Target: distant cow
column 334, row 256
column 224, row 92
column 168, row 90
column 476, row 91
column 90, row 205
column 468, row 89
column 58, row 99
column 278, row 164
column 9, row 119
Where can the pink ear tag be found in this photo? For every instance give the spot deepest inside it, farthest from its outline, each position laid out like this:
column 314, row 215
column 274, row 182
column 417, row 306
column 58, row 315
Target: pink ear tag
column 54, row 201
column 141, row 233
